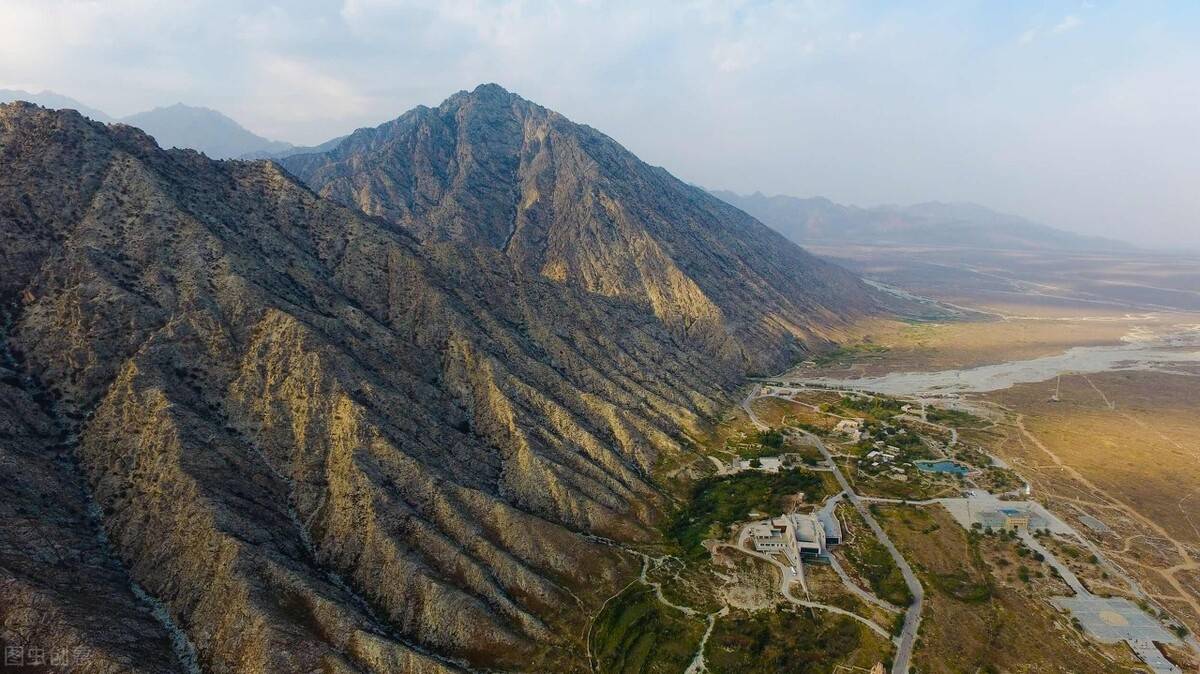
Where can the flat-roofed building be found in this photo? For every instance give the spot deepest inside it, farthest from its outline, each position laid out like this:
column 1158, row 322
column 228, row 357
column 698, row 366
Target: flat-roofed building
column 833, row 527
column 810, row 535
column 1014, row 518
column 775, row 535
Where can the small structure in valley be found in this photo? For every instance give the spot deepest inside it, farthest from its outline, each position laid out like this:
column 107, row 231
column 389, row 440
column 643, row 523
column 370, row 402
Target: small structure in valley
column 767, row 464
column 849, row 427
column 1011, row 518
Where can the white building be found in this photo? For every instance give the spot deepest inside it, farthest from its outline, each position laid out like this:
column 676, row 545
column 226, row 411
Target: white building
column 815, row 532
column 767, row 464
column 774, row 535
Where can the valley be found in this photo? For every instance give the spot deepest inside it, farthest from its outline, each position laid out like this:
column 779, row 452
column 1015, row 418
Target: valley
column 1082, row 414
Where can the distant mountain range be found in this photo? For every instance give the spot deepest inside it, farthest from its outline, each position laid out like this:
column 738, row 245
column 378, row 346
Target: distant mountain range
column 54, row 101
column 815, row 220
column 179, row 125
column 819, row 220
column 203, row 129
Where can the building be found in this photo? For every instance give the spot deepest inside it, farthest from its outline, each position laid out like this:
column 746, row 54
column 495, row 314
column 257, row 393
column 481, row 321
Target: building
column 1017, row 517
column 810, row 535
column 774, row 535
column 767, row 464
column 816, row 532
column 833, row 528
column 849, row 427
column 797, row 534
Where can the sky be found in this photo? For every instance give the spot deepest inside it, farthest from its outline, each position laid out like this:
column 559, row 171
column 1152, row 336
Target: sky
column 1084, row 115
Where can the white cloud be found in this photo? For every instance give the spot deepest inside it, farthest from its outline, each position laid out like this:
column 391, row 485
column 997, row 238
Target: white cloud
column 731, row 57
column 1070, row 22
column 862, row 103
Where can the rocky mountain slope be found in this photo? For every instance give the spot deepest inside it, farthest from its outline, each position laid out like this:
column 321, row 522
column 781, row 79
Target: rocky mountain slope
column 820, row 221
column 203, row 129
column 247, row 429
column 567, row 202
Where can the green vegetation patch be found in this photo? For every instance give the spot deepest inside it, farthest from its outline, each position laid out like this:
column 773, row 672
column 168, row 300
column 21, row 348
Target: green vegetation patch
column 955, row 418
column 875, row 564
column 764, row 443
column 875, row 408
column 636, row 634
column 772, row 438
column 717, row 502
column 781, row 641
column 961, row 586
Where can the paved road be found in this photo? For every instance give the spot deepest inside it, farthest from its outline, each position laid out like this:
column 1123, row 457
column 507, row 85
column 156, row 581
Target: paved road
column 1067, row 574
column 750, row 413
column 786, row 578
column 912, row 616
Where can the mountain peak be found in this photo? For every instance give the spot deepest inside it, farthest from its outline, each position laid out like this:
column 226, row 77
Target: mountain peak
column 564, row 201
column 491, row 89
column 203, row 129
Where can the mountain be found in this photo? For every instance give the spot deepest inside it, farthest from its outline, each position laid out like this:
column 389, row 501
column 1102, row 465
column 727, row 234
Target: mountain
column 246, row 428
column 179, row 125
column 819, row 220
column 293, row 150
column 49, row 99
column 564, row 201
column 203, row 129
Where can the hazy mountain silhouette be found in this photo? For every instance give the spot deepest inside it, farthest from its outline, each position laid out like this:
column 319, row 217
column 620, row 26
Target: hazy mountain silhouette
column 203, row 129
column 819, row 220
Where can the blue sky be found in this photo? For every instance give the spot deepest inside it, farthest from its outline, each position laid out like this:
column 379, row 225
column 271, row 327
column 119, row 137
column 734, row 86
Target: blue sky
column 1084, row 115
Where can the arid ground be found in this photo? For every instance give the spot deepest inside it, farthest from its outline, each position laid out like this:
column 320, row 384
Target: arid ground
column 1120, row 448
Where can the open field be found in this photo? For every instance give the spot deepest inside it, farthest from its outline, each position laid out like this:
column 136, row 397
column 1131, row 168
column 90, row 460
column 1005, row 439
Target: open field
column 900, row 347
column 1117, row 455
column 790, row 639
column 1052, row 280
column 1121, row 449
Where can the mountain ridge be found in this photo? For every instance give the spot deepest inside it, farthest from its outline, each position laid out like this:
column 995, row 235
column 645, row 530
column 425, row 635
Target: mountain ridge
column 179, row 125
column 310, row 439
column 54, row 101
column 821, row 220
column 567, row 202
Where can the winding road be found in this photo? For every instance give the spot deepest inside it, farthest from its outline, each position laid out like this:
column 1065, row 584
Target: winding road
column 912, row 615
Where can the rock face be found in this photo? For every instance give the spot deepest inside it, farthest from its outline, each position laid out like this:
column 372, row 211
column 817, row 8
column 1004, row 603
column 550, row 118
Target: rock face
column 248, row 429
column 565, row 201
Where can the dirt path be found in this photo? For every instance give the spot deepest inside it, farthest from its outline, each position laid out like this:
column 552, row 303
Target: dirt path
column 1168, row 574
